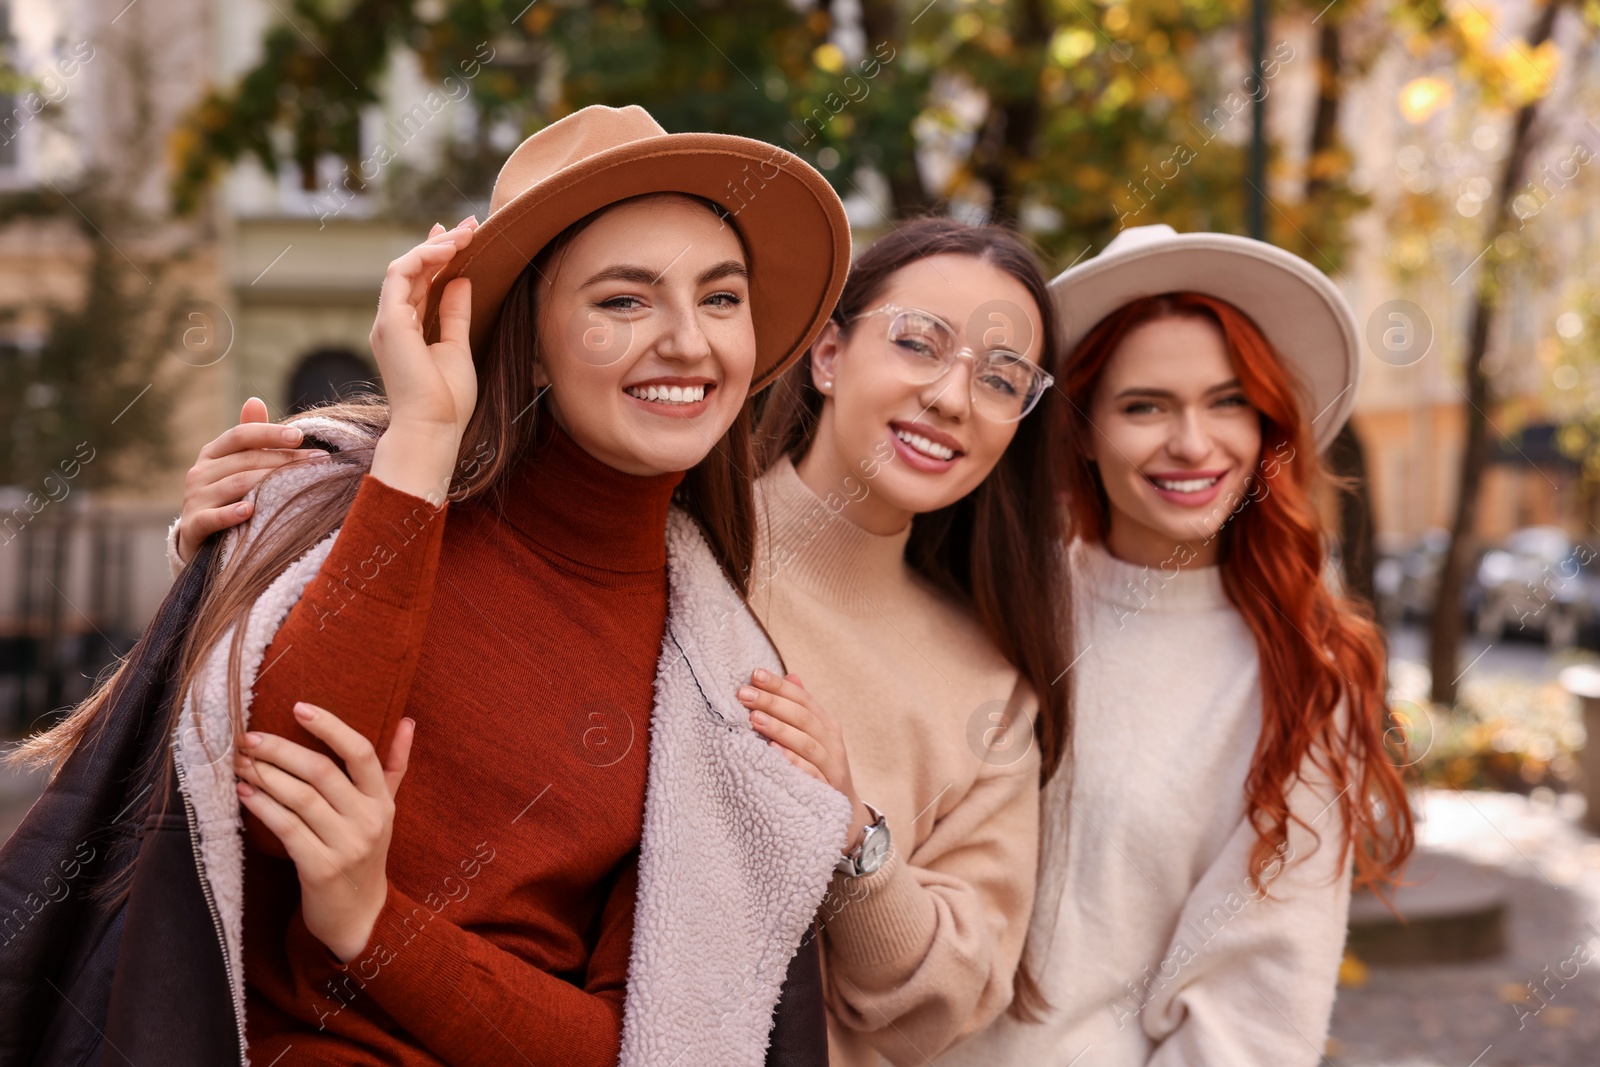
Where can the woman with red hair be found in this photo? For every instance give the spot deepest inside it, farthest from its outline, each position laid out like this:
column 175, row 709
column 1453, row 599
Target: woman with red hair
column 1228, row 776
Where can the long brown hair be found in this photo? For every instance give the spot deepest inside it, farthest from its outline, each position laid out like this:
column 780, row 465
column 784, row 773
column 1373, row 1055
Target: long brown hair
column 716, row 493
column 1317, row 648
column 996, row 550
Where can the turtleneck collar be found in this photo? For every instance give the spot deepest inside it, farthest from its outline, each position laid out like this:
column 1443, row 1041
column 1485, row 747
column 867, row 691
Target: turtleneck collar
column 1136, row 587
column 806, row 540
column 594, row 516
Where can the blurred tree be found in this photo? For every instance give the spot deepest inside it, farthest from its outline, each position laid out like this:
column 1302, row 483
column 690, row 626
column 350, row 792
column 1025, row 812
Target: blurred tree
column 1068, row 119
column 1516, row 78
column 93, row 378
column 90, row 382
column 718, row 65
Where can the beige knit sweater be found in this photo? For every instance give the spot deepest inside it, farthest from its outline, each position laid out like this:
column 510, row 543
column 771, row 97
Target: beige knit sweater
column 921, row 953
column 1153, row 948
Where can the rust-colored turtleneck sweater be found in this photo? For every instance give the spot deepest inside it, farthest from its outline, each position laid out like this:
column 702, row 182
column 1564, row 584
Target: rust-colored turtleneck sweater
column 522, row 636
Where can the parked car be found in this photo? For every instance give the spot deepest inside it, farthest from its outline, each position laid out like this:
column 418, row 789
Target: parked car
column 1539, row 582
column 1407, row 584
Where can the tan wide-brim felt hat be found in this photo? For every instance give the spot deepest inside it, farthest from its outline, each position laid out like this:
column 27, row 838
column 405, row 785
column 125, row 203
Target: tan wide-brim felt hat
column 1300, row 312
column 792, row 221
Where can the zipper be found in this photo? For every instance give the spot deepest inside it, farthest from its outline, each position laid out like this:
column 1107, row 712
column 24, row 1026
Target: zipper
column 211, row 905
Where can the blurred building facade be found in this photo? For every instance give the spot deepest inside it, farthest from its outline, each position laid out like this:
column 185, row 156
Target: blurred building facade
column 281, row 282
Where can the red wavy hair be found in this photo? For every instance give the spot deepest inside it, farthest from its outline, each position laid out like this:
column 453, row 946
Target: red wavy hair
column 1317, row 648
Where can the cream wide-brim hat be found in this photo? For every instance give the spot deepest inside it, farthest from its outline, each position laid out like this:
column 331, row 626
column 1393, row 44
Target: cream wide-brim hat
column 1301, row 313
column 792, row 221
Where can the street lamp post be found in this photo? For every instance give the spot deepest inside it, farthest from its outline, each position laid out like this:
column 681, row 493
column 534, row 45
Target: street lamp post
column 1255, row 195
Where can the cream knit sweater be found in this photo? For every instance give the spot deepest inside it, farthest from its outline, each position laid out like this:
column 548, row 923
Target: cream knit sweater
column 1154, row 949
column 921, row 953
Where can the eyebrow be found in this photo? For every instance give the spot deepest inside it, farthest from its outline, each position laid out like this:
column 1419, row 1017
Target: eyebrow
column 728, row 268
column 1167, row 394
column 628, row 272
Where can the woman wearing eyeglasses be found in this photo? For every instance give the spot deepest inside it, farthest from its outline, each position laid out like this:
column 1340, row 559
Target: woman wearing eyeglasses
column 905, row 568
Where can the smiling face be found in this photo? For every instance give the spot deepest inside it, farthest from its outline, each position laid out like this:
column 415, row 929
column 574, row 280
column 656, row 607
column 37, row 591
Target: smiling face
column 1175, row 440
column 645, row 335
column 927, row 444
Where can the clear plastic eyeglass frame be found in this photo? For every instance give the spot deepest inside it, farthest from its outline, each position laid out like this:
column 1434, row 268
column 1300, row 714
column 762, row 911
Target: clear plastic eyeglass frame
column 1002, row 363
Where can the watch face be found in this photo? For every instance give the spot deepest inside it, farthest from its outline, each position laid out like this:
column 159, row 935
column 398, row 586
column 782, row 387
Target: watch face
column 874, row 849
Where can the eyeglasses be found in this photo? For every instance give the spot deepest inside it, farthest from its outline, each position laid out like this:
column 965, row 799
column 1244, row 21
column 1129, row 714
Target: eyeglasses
column 1004, row 385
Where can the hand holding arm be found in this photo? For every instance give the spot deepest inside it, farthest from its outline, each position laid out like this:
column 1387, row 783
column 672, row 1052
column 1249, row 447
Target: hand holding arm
column 227, row 468
column 334, row 824
column 802, row 730
column 440, row 981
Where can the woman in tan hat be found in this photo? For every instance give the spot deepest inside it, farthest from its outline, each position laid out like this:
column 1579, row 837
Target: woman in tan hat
column 1229, row 770
column 586, row 808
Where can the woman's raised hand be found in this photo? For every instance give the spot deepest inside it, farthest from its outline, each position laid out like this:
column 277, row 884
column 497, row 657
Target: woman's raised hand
column 334, row 822
column 802, row 730
column 228, row 467
column 431, row 389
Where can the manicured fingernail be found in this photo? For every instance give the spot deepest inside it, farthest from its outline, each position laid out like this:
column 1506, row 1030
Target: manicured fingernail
column 758, row 718
column 305, row 712
column 291, row 434
column 409, row 719
column 746, row 694
column 252, row 740
column 246, row 789
column 438, row 228
column 242, row 508
column 463, row 222
column 761, row 676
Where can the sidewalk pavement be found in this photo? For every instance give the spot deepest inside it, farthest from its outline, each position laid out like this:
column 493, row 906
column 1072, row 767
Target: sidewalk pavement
column 1538, row 1005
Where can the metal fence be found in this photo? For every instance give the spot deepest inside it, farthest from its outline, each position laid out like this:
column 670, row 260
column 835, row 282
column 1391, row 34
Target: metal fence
column 78, row 582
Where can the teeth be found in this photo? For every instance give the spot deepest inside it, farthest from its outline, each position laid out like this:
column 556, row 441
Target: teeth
column 669, row 394
column 925, row 446
column 1188, row 485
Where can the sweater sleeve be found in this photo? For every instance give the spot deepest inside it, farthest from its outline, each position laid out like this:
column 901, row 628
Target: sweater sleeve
column 1256, row 974
column 468, row 1002
column 922, row 952
column 351, row 642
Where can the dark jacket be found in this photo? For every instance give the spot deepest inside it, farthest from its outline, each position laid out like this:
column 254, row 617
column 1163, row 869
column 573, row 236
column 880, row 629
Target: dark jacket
column 107, row 946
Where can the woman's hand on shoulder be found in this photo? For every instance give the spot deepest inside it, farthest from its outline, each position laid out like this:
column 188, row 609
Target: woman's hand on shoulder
column 789, row 717
column 334, row 822
column 431, row 389
column 228, row 468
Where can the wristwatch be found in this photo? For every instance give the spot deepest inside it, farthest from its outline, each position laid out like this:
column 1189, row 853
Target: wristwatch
column 869, row 855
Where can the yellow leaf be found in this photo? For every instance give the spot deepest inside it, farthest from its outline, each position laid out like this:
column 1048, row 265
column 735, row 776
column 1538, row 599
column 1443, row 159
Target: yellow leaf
column 1474, row 25
column 1420, row 98
column 1353, row 974
column 1529, row 76
column 828, row 57
column 1119, row 92
column 1071, row 44
column 1090, row 179
column 967, row 25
